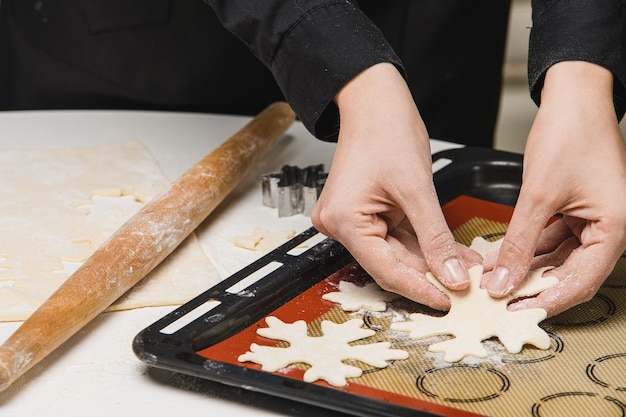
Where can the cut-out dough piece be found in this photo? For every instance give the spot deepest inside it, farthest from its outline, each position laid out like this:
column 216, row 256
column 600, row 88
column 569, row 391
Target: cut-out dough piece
column 475, row 316
column 351, row 297
column 262, row 240
column 324, row 353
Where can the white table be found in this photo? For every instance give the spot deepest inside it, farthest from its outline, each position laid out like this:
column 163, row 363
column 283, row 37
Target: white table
column 96, row 371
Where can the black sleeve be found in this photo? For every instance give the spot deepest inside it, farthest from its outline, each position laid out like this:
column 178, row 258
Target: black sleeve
column 313, row 48
column 585, row 30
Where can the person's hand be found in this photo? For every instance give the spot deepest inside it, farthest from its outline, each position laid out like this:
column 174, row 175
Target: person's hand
column 575, row 165
column 379, row 199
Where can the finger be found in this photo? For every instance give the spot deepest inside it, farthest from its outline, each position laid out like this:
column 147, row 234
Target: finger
column 490, row 261
column 440, row 250
column 409, row 241
column 549, row 241
column 580, row 278
column 406, row 225
column 552, row 236
column 518, row 247
column 576, row 225
column 405, row 245
column 558, row 256
column 396, row 270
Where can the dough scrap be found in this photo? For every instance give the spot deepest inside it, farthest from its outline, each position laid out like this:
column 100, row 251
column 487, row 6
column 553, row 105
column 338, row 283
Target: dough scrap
column 351, row 297
column 324, row 353
column 262, row 240
column 59, row 205
column 475, row 316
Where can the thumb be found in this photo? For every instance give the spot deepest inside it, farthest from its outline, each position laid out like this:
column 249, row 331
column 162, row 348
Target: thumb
column 517, row 249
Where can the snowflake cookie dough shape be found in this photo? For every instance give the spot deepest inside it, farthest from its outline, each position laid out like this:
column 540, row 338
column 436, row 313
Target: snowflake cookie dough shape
column 475, row 316
column 324, row 353
column 484, row 247
column 351, row 297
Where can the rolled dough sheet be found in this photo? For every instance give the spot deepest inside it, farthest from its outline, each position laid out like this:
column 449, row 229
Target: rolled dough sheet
column 59, row 206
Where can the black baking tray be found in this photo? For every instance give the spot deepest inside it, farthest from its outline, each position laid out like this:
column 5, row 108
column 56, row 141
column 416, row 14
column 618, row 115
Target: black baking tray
column 475, row 172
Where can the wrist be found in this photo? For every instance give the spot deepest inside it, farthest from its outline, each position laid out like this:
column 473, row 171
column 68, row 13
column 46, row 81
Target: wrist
column 367, row 80
column 379, row 99
column 578, row 83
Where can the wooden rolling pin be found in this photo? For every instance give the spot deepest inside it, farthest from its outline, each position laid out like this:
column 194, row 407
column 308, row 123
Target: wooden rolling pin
column 139, row 245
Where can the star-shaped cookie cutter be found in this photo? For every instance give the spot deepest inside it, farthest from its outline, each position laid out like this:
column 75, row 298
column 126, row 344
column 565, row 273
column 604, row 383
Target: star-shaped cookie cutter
column 293, row 190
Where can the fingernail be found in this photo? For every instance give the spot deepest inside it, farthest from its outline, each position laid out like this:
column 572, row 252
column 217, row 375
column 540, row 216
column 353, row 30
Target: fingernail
column 520, row 305
column 456, row 273
column 497, row 284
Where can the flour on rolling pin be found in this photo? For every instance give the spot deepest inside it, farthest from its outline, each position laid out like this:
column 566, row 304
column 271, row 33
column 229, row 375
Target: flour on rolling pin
column 59, row 206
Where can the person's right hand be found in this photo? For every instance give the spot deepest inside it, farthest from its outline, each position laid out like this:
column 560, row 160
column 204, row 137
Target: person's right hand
column 379, row 200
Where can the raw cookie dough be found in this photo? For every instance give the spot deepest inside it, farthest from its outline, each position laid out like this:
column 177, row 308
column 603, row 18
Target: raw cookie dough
column 324, row 353
column 262, row 240
column 484, row 247
column 475, row 316
column 351, row 297
column 59, row 206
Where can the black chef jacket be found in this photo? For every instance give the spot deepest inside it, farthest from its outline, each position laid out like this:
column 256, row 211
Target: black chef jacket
column 585, row 30
column 175, row 55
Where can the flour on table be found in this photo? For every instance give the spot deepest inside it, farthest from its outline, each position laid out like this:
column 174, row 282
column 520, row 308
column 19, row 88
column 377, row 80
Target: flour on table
column 324, row 353
column 475, row 316
column 351, row 297
column 59, row 206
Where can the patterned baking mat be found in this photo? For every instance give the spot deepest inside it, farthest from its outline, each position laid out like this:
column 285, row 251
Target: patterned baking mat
column 582, row 373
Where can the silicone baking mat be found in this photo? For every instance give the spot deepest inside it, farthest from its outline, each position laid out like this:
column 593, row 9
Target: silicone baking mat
column 582, row 373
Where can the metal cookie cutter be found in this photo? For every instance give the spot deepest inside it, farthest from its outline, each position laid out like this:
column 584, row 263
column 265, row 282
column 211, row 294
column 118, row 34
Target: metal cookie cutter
column 293, row 190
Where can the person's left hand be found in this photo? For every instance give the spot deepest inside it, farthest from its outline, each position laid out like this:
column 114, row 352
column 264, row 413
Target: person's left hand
column 575, row 165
